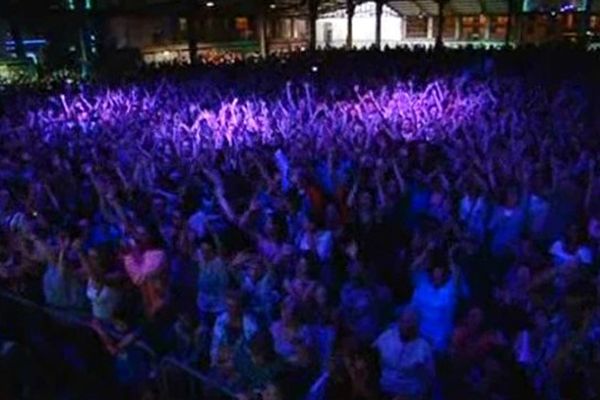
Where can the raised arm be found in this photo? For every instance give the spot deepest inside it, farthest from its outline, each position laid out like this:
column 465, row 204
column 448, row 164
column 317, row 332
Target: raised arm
column 420, row 260
column 217, row 182
column 399, row 179
column 381, row 197
column 351, row 199
column 591, row 183
column 240, row 222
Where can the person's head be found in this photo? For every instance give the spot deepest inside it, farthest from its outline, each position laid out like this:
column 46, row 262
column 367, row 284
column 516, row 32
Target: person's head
column 233, row 300
column 471, row 188
column 177, row 219
column 275, row 227
column 208, row 248
column 574, row 236
column 97, row 258
column 274, row 185
column 159, row 205
column 255, row 270
column 437, row 184
column 299, row 178
column 439, row 276
column 272, row 391
column 332, row 217
column 4, row 198
column 321, row 298
column 409, row 324
column 593, row 227
column 438, row 263
column 391, row 189
column 290, row 312
column 364, row 362
column 540, row 321
column 356, row 273
column 225, row 360
column 365, row 201
column 539, row 184
column 306, row 267
column 474, row 319
column 309, row 223
column 511, row 197
column 145, row 236
column 523, row 277
column 262, row 348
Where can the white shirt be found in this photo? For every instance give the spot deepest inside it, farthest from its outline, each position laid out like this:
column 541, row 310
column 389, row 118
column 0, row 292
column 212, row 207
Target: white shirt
column 537, row 212
column 104, row 300
column 435, row 306
column 583, row 255
column 324, row 244
column 249, row 328
column 407, row 368
column 197, row 223
column 473, row 213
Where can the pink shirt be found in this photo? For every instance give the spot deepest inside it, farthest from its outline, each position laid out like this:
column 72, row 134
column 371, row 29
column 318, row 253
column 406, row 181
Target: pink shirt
column 141, row 267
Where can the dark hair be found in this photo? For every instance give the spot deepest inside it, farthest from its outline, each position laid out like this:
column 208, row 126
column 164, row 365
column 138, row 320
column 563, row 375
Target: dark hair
column 280, row 223
column 312, row 263
column 208, row 240
column 262, row 343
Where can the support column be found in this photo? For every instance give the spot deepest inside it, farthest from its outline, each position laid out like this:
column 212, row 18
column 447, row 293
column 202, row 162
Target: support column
column 349, row 15
column 457, row 27
column 439, row 41
column 191, row 33
column 511, row 13
column 313, row 11
column 403, row 28
column 83, row 49
column 378, row 13
column 519, row 28
column 429, row 28
column 487, row 29
column 262, row 21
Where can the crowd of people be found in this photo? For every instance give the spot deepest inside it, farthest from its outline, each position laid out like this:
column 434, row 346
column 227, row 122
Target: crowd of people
column 340, row 225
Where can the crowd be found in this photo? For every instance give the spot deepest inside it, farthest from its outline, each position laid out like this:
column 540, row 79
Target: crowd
column 362, row 225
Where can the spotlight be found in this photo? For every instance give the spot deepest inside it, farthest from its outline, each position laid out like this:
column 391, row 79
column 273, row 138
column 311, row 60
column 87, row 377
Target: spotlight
column 210, row 4
column 314, row 68
column 553, row 13
column 272, row 6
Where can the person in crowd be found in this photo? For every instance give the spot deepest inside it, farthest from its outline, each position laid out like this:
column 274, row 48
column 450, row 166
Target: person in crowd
column 213, row 281
column 407, row 360
column 146, row 264
column 292, row 338
column 233, row 328
column 437, row 287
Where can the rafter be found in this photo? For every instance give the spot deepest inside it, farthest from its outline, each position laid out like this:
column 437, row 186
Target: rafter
column 483, row 7
column 420, row 7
